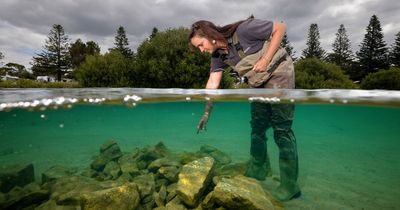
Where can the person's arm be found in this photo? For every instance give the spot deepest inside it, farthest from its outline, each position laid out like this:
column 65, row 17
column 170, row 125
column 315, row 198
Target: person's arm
column 278, row 31
column 213, row 82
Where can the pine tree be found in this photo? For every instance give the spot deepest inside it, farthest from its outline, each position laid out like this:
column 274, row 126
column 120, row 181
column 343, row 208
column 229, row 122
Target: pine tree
column 54, row 58
column 288, row 47
column 121, row 43
column 314, row 48
column 154, row 32
column 395, row 52
column 342, row 54
column 1, row 58
column 79, row 50
column 373, row 54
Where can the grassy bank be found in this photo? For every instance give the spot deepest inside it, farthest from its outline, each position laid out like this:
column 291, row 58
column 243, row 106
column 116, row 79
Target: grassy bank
column 35, row 84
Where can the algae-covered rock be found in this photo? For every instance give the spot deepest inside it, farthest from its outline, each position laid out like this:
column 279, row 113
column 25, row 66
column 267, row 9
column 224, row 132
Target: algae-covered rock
column 169, row 172
column 194, row 179
column 125, row 197
column 16, row 175
column 219, row 157
column 146, row 184
column 52, row 205
column 112, row 169
column 108, row 151
column 67, row 190
column 25, row 198
column 165, row 161
column 128, row 165
column 56, row 172
column 239, row 192
column 232, row 169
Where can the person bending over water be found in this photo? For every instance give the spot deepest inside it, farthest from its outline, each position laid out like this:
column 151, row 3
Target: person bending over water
column 252, row 48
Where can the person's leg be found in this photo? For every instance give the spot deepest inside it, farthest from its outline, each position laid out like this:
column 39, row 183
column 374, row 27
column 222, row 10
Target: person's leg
column 259, row 165
column 282, row 119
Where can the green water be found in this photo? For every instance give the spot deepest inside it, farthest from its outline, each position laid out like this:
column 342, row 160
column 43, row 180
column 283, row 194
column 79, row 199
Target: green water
column 349, row 155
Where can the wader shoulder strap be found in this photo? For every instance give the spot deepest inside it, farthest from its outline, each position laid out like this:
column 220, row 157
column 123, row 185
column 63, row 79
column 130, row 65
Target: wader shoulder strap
column 238, row 47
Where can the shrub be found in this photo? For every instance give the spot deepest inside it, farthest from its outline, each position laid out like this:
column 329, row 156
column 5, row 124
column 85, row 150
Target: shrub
column 313, row 73
column 383, row 79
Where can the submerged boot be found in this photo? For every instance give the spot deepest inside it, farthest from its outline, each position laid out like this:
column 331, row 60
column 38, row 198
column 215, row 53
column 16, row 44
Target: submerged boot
column 256, row 169
column 288, row 189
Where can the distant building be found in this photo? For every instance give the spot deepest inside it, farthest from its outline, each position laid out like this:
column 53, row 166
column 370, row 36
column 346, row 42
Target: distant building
column 8, row 77
column 45, row 79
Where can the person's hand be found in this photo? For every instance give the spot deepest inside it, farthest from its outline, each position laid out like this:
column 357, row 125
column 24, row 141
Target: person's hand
column 261, row 65
column 203, row 123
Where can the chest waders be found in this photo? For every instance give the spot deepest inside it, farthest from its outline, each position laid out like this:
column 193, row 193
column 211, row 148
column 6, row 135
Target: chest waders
column 278, row 74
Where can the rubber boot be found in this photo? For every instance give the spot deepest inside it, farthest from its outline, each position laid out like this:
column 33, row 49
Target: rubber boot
column 256, row 169
column 259, row 169
column 288, row 188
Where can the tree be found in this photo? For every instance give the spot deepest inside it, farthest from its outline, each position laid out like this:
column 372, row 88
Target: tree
column 373, row 54
column 92, row 48
column 166, row 62
column 288, row 47
column 1, row 57
column 79, row 51
column 395, row 52
column 54, row 58
column 314, row 48
column 384, row 79
column 121, row 43
column 154, row 32
column 342, row 54
column 312, row 73
column 110, row 70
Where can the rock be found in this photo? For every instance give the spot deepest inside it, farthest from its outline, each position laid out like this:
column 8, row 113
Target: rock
column 166, row 161
column 112, row 169
column 128, row 165
column 187, row 157
column 67, row 190
column 169, row 172
column 125, row 197
column 109, row 151
column 220, row 157
column 125, row 177
column 51, row 205
column 160, row 182
column 29, row 196
column 146, row 184
column 16, row 175
column 239, row 192
column 231, row 169
column 55, row 172
column 148, row 155
column 171, row 191
column 89, row 173
column 175, row 204
column 194, row 179
column 160, row 197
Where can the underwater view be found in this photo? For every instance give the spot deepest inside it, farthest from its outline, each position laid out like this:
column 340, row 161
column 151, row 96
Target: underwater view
column 78, row 148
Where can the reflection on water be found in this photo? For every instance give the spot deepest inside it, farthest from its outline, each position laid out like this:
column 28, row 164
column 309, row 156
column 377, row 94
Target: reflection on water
column 348, row 152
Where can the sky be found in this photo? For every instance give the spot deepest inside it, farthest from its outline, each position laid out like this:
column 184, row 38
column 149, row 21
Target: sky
column 25, row 24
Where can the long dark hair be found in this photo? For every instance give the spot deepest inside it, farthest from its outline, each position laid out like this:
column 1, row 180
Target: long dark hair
column 209, row 30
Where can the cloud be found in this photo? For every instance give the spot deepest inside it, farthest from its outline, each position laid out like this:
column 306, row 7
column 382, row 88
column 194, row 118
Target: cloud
column 24, row 24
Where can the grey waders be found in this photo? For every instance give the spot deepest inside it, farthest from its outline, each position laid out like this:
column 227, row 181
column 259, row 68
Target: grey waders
column 279, row 74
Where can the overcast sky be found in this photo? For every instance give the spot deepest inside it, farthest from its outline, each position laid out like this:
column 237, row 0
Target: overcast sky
column 25, row 24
